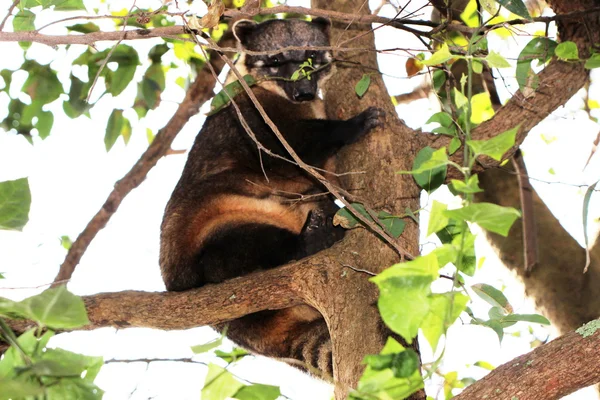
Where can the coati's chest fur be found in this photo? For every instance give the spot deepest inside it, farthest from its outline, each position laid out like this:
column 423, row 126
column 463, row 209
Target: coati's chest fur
column 242, row 204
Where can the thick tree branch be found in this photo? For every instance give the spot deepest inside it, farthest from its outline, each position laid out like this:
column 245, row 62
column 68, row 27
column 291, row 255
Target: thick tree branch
column 198, row 93
column 93, row 37
column 558, row 83
column 267, row 290
column 173, row 31
column 551, row 371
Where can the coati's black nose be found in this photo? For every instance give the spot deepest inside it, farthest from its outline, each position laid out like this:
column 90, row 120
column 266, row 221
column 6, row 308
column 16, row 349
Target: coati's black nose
column 303, row 95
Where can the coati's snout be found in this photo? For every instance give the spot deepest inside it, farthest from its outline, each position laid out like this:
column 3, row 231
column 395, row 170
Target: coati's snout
column 296, row 71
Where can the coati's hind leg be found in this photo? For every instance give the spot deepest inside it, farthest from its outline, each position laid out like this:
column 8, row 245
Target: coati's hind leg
column 296, row 335
column 233, row 252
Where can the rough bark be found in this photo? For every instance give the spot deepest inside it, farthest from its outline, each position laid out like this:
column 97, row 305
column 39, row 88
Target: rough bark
column 351, row 314
column 549, row 372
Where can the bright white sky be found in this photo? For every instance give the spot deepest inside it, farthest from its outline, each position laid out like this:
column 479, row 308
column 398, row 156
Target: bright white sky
column 71, row 174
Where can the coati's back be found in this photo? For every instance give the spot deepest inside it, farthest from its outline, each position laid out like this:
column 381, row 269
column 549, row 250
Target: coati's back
column 240, row 207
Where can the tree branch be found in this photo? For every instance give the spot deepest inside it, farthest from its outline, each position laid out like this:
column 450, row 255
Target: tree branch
column 93, row 37
column 551, row 371
column 198, row 93
column 558, row 83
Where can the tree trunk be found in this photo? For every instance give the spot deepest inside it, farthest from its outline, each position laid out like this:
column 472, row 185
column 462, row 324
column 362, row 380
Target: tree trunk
column 378, row 156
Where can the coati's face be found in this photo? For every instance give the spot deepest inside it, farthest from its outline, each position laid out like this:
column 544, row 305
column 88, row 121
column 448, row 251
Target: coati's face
column 274, row 35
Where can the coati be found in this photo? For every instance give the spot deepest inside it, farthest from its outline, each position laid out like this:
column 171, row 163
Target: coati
column 236, row 209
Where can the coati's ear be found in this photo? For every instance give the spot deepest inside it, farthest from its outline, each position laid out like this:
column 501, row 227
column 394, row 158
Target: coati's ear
column 323, row 23
column 242, row 29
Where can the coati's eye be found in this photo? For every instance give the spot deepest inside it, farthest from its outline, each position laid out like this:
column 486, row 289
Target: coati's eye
column 312, row 55
column 274, row 61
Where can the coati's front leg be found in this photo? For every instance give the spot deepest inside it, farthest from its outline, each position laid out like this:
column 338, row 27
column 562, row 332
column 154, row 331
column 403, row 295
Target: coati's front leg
column 316, row 140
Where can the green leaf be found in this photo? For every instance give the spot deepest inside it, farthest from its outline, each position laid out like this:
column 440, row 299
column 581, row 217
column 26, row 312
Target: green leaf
column 363, row 85
column 12, row 359
column 44, row 123
column 203, row 348
column 394, row 225
column 6, row 75
column 515, row 7
column 437, row 219
column 66, row 242
column 68, row 5
column 593, row 61
column 78, row 92
column 452, row 230
column 496, row 146
column 42, row 84
column 471, row 186
column 439, row 57
column 444, row 309
column 477, row 66
column 155, row 54
column 460, row 99
column 258, row 392
column 233, row 355
column 455, row 144
column 481, row 108
column 24, row 21
column 20, row 388
column 74, row 389
column 76, row 364
column 489, row 216
column 438, row 79
column 429, row 168
column 445, row 121
column 533, row 318
column 378, row 361
column 495, row 60
column 405, row 364
column 382, row 384
column 467, row 263
column 490, row 6
column 496, row 327
column 117, row 126
column 219, row 384
column 539, row 48
column 347, row 220
column 567, row 51
column 56, row 308
column 231, row 90
column 15, row 201
column 127, row 59
column 485, row 365
column 492, row 296
column 403, row 291
column 88, row 27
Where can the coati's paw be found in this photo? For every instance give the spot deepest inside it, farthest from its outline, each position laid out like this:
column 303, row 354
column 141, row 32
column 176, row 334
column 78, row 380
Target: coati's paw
column 371, row 118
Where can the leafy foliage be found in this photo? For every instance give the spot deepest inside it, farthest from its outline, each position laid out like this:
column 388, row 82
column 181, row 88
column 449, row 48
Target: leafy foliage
column 29, row 367
column 15, row 200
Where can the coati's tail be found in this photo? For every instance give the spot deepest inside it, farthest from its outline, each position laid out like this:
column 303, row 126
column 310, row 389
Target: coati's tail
column 296, row 335
column 312, row 347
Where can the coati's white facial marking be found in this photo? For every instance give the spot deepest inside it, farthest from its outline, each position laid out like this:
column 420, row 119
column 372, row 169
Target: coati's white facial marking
column 328, row 57
column 259, row 63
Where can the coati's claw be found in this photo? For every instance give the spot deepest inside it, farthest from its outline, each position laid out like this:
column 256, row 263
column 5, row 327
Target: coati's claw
column 372, row 118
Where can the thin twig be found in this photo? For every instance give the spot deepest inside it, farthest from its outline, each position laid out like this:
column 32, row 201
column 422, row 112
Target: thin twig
column 109, row 55
column 530, row 249
column 8, row 14
column 198, row 93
